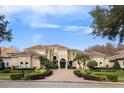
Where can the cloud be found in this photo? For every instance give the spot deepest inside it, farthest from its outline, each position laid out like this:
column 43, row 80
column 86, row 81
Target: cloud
column 37, row 37
column 73, row 28
column 78, row 29
column 44, row 25
column 45, row 10
column 41, row 16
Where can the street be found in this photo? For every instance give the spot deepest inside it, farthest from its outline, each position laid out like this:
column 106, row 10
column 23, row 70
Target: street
column 40, row 84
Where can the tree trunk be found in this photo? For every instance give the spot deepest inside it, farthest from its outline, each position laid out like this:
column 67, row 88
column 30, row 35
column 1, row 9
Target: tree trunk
column 79, row 65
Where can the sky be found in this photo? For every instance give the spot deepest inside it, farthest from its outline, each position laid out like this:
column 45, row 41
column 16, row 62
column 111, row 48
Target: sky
column 64, row 25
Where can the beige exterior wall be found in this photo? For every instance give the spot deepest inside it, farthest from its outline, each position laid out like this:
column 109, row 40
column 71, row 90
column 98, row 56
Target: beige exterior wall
column 35, row 63
column 121, row 62
column 14, row 62
column 104, row 61
column 62, row 54
column 59, row 53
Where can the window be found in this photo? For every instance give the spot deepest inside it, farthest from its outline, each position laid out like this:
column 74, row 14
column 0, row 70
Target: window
column 123, row 62
column 100, row 63
column 26, row 64
column 7, row 64
column 21, row 65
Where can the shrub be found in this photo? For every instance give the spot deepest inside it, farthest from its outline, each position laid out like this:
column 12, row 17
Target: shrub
column 116, row 65
column 77, row 73
column 41, row 71
column 88, row 71
column 94, row 77
column 6, row 71
column 48, row 73
column 82, row 72
column 35, row 76
column 112, row 78
column 69, row 66
column 15, row 76
column 92, row 64
column 55, row 66
column 48, row 65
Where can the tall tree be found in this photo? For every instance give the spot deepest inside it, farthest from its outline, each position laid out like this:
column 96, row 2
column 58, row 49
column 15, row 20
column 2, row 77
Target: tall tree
column 108, row 22
column 5, row 34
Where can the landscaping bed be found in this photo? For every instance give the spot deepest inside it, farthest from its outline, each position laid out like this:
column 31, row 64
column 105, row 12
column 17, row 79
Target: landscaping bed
column 28, row 74
column 90, row 75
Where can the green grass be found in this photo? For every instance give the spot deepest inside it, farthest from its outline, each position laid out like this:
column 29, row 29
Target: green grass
column 5, row 76
column 120, row 74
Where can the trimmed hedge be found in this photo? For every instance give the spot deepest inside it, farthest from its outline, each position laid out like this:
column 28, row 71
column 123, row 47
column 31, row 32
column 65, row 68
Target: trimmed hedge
column 89, row 76
column 103, row 69
column 15, row 76
column 77, row 73
column 48, row 73
column 35, row 76
column 98, row 77
column 112, row 78
column 94, row 77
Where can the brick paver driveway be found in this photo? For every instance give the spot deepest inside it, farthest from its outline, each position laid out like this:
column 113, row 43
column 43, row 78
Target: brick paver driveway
column 60, row 79
column 64, row 75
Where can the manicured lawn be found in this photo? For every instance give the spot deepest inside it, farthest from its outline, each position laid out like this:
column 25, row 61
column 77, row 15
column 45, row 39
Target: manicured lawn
column 5, row 76
column 120, row 74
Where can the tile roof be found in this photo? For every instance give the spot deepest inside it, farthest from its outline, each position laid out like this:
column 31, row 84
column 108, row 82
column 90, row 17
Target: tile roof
column 6, row 52
column 118, row 55
column 47, row 46
column 95, row 54
column 28, row 52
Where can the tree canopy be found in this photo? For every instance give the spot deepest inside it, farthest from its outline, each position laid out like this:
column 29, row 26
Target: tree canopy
column 91, row 64
column 43, row 60
column 5, row 34
column 108, row 49
column 108, row 22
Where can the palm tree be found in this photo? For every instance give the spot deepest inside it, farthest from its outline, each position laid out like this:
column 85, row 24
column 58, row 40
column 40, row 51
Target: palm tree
column 43, row 61
column 51, row 53
column 81, row 58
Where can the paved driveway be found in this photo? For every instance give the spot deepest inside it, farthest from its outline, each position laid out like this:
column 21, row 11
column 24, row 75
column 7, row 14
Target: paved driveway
column 60, row 79
column 64, row 75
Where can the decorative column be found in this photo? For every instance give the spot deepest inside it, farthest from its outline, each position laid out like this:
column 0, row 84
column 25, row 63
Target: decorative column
column 58, row 65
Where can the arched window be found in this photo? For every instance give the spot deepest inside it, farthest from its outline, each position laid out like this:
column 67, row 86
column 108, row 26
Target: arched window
column 7, row 64
column 100, row 63
column 26, row 64
column 21, row 65
column 54, row 58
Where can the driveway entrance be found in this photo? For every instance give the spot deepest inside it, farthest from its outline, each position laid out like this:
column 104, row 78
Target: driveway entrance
column 64, row 75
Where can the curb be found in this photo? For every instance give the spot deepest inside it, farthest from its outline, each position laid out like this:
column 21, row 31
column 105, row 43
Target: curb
column 92, row 82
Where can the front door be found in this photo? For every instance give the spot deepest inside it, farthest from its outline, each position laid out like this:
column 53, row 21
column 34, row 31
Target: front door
column 62, row 63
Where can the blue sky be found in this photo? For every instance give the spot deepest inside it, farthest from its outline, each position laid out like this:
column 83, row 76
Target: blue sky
column 65, row 25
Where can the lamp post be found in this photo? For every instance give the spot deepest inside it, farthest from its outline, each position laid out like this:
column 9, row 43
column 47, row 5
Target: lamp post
column 22, row 72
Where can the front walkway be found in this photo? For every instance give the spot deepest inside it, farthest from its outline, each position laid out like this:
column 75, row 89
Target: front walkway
column 64, row 75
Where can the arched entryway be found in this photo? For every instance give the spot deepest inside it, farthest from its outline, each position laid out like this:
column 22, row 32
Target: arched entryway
column 62, row 63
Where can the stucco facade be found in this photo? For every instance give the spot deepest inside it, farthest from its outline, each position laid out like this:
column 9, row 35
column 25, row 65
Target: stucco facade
column 118, row 57
column 63, row 55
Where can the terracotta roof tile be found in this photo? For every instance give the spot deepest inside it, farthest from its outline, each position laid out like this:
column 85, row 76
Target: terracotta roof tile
column 6, row 52
column 28, row 52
